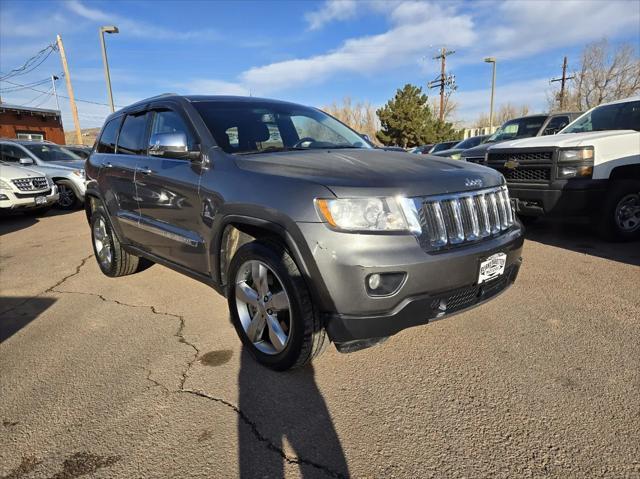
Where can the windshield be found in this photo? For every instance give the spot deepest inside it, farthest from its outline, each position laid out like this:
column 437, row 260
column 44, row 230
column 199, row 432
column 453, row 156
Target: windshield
column 469, row 142
column 443, row 146
column 250, row 127
column 620, row 116
column 519, row 128
column 46, row 152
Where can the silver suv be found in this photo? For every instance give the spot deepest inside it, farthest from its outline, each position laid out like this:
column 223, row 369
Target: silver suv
column 312, row 234
column 61, row 165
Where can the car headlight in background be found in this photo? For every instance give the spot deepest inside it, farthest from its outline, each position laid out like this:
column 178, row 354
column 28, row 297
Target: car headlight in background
column 455, row 156
column 79, row 173
column 576, row 154
column 369, row 214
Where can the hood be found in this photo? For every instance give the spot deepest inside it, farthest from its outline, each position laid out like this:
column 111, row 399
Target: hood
column 71, row 164
column 448, row 153
column 480, row 150
column 563, row 140
column 10, row 172
column 373, row 172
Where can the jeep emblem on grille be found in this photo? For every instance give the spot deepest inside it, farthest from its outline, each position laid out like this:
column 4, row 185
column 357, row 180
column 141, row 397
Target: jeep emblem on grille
column 512, row 164
column 469, row 182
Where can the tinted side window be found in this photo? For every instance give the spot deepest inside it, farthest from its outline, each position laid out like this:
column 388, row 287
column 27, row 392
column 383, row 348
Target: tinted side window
column 107, row 142
column 167, row 121
column 556, row 124
column 133, row 135
column 11, row 154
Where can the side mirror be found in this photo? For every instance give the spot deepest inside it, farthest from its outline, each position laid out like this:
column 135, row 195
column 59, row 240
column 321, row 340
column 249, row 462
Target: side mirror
column 366, row 137
column 25, row 161
column 171, row 145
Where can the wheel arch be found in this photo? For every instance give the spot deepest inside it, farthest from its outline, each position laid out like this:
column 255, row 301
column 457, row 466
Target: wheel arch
column 237, row 230
column 626, row 172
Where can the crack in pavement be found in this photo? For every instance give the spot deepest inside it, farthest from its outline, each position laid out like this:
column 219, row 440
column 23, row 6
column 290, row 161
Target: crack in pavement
column 51, row 288
column 260, row 437
column 185, row 372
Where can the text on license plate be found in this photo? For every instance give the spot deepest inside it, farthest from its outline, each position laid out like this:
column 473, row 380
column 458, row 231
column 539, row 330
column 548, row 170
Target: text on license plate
column 41, row 200
column 492, row 267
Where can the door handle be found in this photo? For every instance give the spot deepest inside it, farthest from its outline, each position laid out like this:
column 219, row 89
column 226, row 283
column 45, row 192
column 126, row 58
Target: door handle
column 145, row 170
column 108, row 165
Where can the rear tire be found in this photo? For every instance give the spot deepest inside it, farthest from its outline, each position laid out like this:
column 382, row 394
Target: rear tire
column 270, row 301
column 619, row 219
column 113, row 260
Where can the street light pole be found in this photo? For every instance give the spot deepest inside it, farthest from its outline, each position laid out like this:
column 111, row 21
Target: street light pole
column 55, row 92
column 107, row 29
column 493, row 88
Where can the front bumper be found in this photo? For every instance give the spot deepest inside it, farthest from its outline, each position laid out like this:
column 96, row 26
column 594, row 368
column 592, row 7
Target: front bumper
column 345, row 261
column 560, row 197
column 10, row 200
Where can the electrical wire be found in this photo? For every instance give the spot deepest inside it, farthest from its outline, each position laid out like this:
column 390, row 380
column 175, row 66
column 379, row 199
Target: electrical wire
column 62, row 96
column 32, row 63
column 37, row 97
column 12, row 89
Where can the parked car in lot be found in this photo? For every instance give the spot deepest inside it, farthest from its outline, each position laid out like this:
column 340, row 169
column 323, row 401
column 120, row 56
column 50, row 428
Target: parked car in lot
column 457, row 149
column 312, row 234
column 423, row 149
column 83, row 151
column 445, row 145
column 591, row 168
column 61, row 165
column 24, row 189
column 518, row 128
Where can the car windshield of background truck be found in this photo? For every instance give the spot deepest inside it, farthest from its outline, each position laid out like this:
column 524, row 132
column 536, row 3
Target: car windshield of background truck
column 520, row 128
column 265, row 127
column 619, row 116
column 46, row 152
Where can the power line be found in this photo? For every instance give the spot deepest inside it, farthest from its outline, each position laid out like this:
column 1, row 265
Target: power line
column 61, row 96
column 32, row 63
column 12, row 89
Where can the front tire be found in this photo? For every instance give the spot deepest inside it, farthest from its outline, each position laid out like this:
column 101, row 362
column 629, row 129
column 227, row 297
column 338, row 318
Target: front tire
column 271, row 307
column 620, row 216
column 67, row 199
column 113, row 260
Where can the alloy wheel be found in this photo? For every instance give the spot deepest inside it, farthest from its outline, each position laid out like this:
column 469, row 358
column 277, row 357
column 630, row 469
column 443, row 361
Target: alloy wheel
column 67, row 196
column 627, row 213
column 263, row 307
column 102, row 243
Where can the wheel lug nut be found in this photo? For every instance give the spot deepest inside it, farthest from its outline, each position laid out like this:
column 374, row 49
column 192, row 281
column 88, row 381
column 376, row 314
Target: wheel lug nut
column 269, row 312
column 265, row 299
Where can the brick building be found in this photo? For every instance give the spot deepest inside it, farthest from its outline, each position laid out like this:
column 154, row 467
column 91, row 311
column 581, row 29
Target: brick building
column 27, row 123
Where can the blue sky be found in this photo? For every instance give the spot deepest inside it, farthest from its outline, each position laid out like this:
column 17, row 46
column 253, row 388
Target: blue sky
column 312, row 52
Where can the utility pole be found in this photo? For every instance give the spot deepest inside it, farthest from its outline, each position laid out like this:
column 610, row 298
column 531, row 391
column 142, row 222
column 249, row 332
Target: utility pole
column 72, row 100
column 55, row 92
column 442, row 80
column 493, row 89
column 563, row 81
column 107, row 29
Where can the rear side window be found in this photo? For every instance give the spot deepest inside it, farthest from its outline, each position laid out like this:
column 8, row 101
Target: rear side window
column 107, row 142
column 133, row 135
column 11, row 153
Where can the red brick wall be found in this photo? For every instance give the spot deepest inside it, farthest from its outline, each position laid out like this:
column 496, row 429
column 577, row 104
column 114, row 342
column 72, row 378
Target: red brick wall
column 50, row 126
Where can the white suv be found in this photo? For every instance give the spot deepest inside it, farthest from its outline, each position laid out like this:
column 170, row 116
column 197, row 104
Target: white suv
column 25, row 189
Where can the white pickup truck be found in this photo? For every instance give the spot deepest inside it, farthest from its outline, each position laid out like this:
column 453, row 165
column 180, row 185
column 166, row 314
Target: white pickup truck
column 590, row 168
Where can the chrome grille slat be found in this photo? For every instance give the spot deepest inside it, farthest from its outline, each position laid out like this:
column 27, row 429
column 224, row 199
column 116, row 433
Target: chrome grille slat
column 456, row 219
column 31, row 184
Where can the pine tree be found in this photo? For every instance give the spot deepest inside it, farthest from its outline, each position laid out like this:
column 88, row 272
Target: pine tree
column 407, row 120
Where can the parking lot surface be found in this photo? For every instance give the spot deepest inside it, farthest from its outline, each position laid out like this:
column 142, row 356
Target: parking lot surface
column 144, row 376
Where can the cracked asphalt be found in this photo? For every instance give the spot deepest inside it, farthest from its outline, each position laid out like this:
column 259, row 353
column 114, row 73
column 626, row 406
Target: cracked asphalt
column 144, row 376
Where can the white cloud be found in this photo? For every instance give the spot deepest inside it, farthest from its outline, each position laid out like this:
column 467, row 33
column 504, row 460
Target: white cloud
column 136, row 28
column 331, row 10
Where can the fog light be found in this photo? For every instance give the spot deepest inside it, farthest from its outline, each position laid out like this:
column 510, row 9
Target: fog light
column 384, row 284
column 3, row 197
column 374, row 281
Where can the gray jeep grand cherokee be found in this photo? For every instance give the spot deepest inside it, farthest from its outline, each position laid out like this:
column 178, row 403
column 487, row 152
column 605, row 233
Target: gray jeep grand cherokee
column 310, row 233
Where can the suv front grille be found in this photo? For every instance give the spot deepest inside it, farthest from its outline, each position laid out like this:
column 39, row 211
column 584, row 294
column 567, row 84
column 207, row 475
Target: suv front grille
column 462, row 218
column 526, row 174
column 31, row 184
column 525, row 156
column 475, row 159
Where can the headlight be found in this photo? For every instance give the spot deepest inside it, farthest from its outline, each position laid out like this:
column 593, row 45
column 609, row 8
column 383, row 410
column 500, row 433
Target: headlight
column 79, row 173
column 5, row 185
column 575, row 172
column 577, row 154
column 455, row 156
column 369, row 214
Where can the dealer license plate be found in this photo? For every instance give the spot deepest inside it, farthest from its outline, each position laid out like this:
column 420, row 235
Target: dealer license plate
column 41, row 200
column 492, row 267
